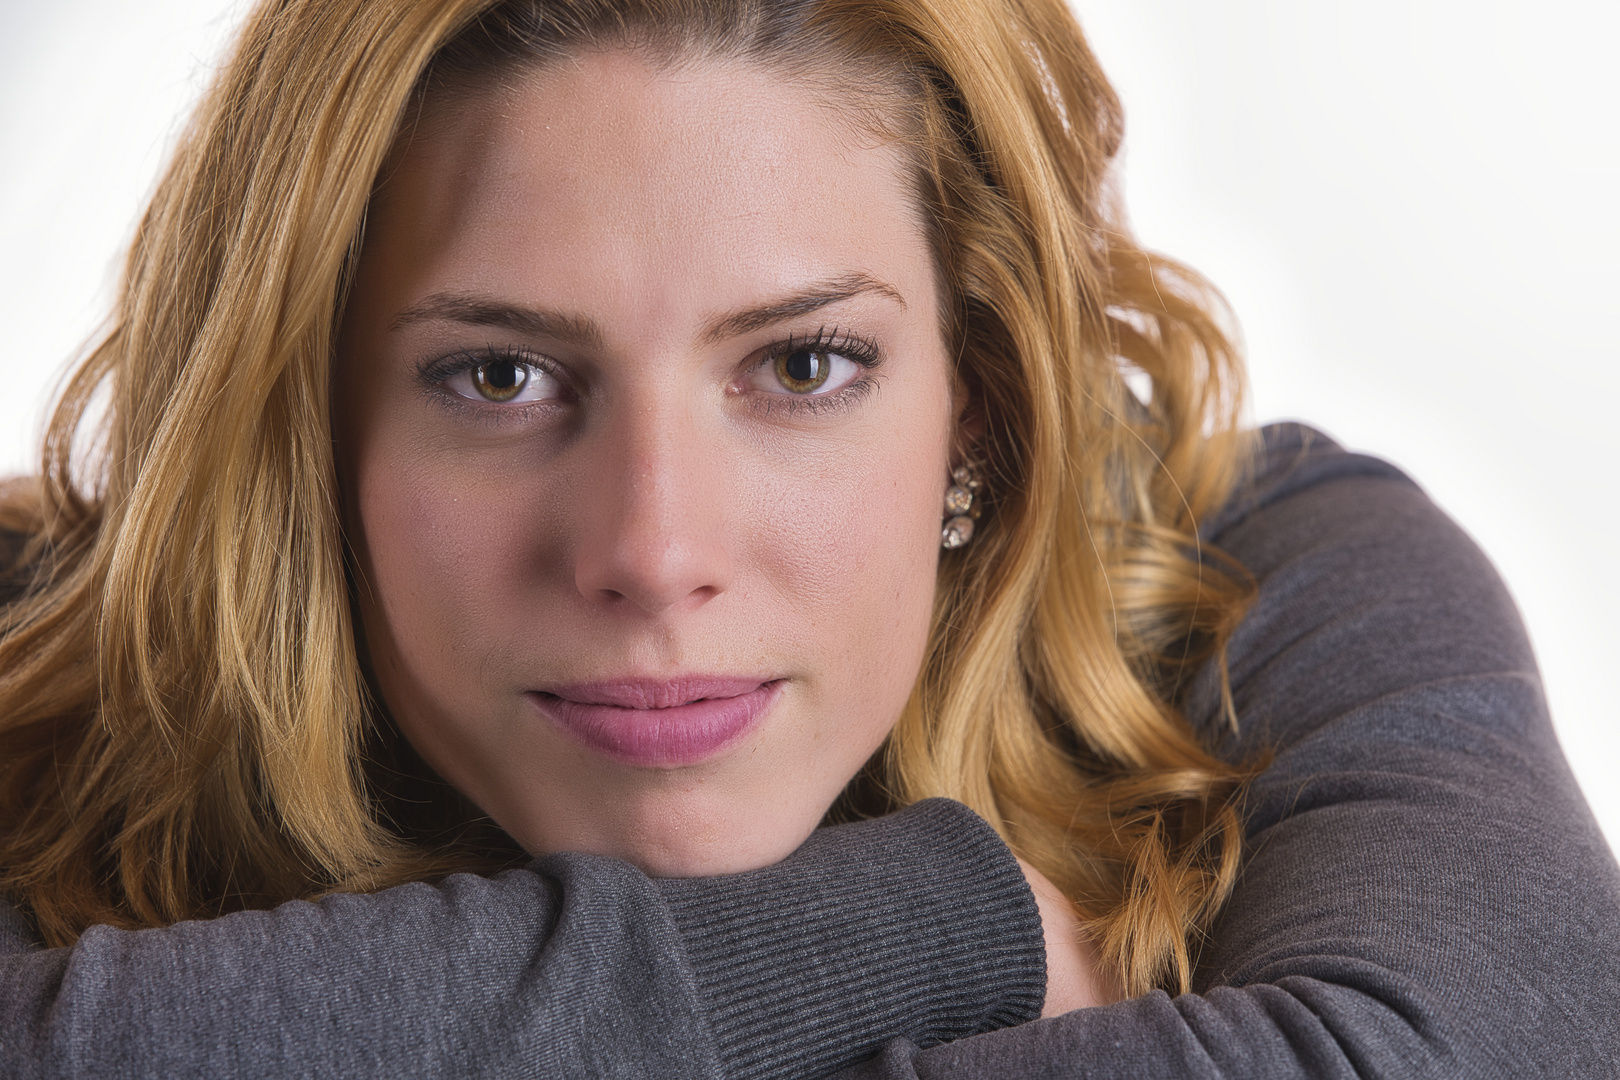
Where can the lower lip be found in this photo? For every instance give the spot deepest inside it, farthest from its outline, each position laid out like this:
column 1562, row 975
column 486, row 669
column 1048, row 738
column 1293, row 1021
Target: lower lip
column 661, row 738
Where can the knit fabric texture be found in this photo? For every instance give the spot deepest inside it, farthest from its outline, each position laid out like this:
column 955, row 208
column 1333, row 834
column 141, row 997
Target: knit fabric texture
column 1425, row 892
column 580, row 966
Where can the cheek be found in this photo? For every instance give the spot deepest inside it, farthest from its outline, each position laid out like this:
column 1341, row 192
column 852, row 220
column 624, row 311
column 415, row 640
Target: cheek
column 853, row 559
column 439, row 555
column 887, row 607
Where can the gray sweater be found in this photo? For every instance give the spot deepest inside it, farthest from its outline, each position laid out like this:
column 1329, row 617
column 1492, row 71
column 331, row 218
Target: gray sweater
column 1425, row 894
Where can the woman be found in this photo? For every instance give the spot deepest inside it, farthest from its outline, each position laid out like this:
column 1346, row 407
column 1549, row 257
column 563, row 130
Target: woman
column 628, row 434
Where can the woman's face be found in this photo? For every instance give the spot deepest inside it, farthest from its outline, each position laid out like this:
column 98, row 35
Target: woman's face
column 644, row 418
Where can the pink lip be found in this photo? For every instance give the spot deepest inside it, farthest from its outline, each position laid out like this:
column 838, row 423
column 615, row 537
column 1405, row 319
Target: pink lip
column 659, row 723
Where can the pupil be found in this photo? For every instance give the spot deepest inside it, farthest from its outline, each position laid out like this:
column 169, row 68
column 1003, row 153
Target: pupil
column 501, row 376
column 802, row 365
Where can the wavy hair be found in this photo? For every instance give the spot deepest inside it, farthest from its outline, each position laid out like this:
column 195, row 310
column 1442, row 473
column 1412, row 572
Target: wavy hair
column 185, row 723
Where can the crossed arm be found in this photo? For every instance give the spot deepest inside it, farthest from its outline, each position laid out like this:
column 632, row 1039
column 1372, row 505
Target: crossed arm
column 1425, row 894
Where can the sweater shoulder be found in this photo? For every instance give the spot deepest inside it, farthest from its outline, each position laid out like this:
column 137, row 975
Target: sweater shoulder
column 1365, row 588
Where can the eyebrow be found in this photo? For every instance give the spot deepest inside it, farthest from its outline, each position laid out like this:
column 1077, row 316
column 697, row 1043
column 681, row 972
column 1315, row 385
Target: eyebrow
column 803, row 302
column 576, row 329
column 482, row 311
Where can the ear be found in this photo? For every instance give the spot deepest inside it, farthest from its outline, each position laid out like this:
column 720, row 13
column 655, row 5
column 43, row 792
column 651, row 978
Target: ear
column 967, row 430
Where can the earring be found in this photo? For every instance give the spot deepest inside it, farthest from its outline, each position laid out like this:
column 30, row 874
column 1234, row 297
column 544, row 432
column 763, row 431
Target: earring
column 961, row 507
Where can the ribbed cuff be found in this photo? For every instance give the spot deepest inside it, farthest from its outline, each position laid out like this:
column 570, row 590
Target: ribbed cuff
column 919, row 925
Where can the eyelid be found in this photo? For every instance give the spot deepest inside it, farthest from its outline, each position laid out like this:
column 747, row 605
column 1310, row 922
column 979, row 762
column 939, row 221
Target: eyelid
column 863, row 352
column 860, row 351
column 435, row 370
column 439, row 377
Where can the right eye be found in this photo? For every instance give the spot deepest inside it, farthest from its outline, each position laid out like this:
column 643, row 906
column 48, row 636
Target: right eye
column 505, row 382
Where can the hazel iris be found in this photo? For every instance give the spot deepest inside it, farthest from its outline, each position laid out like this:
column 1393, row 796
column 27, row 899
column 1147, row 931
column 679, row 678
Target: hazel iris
column 803, row 370
column 500, row 380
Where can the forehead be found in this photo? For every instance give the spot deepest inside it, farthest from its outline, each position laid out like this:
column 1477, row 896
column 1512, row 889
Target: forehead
column 612, row 169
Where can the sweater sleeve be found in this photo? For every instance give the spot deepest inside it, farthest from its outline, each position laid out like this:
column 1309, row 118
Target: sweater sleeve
column 918, row 925
column 1425, row 892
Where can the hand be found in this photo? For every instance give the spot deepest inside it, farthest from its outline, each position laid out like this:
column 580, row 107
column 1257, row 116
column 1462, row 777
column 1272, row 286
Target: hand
column 1074, row 979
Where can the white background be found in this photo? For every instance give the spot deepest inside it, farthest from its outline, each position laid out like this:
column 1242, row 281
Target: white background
column 1411, row 204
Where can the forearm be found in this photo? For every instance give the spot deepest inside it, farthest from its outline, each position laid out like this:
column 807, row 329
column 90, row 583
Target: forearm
column 1425, row 893
column 1442, row 915
column 920, row 922
column 579, row 966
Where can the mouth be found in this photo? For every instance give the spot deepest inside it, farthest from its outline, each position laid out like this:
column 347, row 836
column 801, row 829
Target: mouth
column 659, row 723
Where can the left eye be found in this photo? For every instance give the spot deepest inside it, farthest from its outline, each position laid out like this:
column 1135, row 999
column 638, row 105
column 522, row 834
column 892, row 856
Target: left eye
column 806, row 371
column 504, row 382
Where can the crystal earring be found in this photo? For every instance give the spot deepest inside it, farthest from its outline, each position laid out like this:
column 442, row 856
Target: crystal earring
column 961, row 507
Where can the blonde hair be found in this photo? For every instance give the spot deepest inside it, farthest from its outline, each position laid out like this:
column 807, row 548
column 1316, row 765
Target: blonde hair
column 184, row 720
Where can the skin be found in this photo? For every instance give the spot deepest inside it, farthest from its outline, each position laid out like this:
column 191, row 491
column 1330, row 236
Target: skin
column 666, row 506
column 675, row 510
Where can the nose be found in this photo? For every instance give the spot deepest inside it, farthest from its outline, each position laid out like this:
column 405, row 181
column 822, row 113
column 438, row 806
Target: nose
column 652, row 534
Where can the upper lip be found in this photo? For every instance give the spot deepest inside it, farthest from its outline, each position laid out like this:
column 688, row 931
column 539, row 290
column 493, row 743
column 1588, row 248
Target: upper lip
column 656, row 693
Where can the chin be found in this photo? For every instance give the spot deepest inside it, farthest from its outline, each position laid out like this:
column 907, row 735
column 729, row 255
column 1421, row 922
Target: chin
column 698, row 832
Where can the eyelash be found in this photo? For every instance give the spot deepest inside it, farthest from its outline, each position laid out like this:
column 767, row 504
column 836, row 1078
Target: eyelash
column 863, row 352
column 434, row 372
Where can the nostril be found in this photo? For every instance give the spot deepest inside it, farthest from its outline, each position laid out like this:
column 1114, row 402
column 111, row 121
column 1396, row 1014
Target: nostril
column 653, row 579
column 646, row 535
